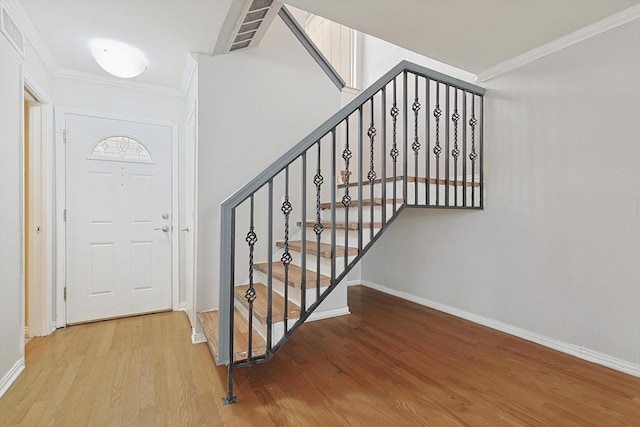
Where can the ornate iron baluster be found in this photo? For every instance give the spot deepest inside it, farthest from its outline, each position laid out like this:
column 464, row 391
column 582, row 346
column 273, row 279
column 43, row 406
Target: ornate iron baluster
column 250, row 294
column 318, row 227
column 346, row 199
column 286, row 256
column 303, row 231
column 437, row 112
column 394, row 148
column 416, row 144
column 455, row 152
column 383, row 153
column 473, row 155
column 371, row 133
column 371, row 176
column 427, row 140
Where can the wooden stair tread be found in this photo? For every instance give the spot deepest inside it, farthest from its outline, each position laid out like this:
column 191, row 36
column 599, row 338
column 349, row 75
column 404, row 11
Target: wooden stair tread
column 210, row 320
column 377, row 201
column 353, row 225
column 312, row 248
column 260, row 304
column 421, row 179
column 295, row 275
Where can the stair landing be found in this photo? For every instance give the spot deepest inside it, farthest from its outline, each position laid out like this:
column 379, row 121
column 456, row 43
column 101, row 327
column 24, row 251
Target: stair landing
column 421, row 180
column 377, row 201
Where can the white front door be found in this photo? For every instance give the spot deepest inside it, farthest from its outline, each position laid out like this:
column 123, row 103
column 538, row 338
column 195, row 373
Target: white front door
column 118, row 191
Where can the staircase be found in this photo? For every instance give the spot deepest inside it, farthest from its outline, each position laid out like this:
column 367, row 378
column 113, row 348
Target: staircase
column 290, row 236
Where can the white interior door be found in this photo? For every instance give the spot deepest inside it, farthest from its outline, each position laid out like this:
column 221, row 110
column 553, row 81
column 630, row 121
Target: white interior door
column 118, row 201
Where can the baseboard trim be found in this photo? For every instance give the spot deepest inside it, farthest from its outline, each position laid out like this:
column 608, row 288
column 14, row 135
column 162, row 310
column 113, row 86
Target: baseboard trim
column 11, row 376
column 197, row 337
column 577, row 36
column 182, row 306
column 570, row 349
column 52, row 327
column 353, row 282
column 326, row 314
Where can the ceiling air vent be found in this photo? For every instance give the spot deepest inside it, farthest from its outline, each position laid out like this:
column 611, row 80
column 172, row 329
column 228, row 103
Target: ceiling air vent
column 253, row 22
column 12, row 31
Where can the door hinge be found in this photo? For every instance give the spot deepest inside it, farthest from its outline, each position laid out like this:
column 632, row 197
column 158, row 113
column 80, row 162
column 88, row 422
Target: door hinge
column 64, row 136
column 65, row 293
column 64, row 215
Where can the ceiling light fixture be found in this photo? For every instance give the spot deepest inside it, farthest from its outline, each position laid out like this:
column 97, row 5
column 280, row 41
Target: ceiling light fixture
column 117, row 58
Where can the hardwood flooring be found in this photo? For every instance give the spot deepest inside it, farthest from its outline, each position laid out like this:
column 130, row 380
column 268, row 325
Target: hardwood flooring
column 389, row 363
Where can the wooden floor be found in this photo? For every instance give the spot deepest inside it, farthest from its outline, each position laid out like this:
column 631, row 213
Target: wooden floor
column 390, row 363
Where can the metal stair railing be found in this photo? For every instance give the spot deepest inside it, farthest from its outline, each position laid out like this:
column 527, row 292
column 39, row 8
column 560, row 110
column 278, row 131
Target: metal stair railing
column 413, row 126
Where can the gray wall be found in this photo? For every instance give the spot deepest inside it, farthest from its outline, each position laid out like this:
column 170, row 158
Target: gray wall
column 556, row 250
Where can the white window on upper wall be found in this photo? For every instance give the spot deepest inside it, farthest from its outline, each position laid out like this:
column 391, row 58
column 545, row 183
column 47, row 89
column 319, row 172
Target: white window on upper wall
column 121, row 148
column 337, row 43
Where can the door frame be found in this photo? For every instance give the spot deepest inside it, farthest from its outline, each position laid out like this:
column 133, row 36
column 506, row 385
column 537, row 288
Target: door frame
column 41, row 321
column 190, row 288
column 61, row 168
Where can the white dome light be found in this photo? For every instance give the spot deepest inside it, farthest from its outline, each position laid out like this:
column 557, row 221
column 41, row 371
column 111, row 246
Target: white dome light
column 117, row 58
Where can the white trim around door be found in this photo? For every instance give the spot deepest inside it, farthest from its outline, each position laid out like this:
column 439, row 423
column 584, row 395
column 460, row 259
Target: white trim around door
column 41, row 162
column 60, row 192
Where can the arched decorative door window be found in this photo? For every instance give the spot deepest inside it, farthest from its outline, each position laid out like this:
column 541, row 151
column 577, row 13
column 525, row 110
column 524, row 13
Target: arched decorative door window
column 121, row 148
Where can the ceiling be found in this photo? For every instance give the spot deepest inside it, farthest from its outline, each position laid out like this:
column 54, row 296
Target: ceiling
column 473, row 35
column 165, row 30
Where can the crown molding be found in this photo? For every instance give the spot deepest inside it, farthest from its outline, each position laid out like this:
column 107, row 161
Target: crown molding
column 19, row 14
column 604, row 25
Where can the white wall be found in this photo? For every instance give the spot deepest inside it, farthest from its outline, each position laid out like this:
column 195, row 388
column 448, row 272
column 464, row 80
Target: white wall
column 11, row 213
column 556, row 249
column 253, row 106
column 36, row 71
column 137, row 104
column 378, row 56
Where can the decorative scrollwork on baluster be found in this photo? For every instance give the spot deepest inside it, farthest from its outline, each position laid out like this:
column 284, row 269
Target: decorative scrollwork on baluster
column 416, row 144
column 286, row 210
column 437, row 112
column 371, row 133
column 394, row 116
column 473, row 155
column 346, row 156
column 251, row 239
column 455, row 118
column 473, row 122
column 318, row 180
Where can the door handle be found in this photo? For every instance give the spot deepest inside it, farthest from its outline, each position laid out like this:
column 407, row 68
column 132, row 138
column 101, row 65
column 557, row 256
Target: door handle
column 164, row 229
column 186, row 229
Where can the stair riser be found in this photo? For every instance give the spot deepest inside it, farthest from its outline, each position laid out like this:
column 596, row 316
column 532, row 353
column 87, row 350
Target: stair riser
column 261, row 329
column 325, row 237
column 353, row 213
column 325, row 263
column 293, row 293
